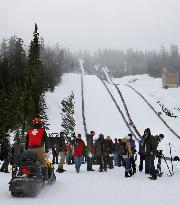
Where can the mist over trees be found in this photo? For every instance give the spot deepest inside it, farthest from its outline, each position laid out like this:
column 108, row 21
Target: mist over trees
column 27, row 73
column 133, row 62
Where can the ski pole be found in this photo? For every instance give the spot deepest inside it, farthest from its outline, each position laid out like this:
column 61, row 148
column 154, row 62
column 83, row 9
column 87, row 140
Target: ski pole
column 167, row 165
column 172, row 167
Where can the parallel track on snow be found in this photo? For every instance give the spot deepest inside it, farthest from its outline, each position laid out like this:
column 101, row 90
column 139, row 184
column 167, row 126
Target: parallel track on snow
column 83, row 105
column 165, row 123
column 126, row 109
column 119, row 109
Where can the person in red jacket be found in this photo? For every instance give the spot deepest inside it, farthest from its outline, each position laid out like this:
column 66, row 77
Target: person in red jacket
column 79, row 147
column 36, row 140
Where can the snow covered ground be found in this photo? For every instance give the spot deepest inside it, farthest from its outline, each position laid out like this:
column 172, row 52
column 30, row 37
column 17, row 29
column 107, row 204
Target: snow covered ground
column 102, row 116
column 100, row 188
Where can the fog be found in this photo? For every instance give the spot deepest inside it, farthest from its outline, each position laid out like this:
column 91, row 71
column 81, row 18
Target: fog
column 93, row 24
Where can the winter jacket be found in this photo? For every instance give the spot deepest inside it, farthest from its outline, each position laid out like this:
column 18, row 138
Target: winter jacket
column 61, row 145
column 109, row 146
column 120, row 148
column 101, row 147
column 79, row 148
column 115, row 147
column 90, row 145
column 151, row 144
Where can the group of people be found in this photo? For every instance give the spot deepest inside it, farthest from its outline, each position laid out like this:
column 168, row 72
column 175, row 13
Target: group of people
column 106, row 153
column 102, row 151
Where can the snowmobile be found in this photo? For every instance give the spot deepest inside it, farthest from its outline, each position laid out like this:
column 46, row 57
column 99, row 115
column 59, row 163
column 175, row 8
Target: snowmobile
column 29, row 176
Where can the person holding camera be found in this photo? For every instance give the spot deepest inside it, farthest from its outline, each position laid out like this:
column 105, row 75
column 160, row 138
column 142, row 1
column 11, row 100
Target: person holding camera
column 151, row 144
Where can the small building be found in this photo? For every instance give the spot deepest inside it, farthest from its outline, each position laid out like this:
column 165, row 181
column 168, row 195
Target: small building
column 170, row 79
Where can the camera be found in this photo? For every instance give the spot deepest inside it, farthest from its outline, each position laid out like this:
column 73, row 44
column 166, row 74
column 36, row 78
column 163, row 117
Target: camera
column 159, row 153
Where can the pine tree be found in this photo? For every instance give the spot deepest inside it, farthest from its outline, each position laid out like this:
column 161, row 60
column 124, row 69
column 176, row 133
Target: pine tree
column 34, row 78
column 68, row 122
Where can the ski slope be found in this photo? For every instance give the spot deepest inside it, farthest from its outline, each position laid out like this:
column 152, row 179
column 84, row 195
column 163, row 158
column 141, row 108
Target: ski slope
column 100, row 111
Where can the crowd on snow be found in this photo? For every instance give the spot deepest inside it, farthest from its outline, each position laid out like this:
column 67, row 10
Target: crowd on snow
column 103, row 152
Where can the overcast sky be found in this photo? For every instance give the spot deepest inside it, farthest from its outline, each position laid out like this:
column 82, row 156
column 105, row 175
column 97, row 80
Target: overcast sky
column 93, row 24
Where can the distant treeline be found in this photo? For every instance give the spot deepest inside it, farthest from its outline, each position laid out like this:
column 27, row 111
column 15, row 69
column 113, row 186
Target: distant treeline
column 133, row 62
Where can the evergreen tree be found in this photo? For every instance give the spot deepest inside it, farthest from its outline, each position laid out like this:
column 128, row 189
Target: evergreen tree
column 35, row 83
column 68, row 122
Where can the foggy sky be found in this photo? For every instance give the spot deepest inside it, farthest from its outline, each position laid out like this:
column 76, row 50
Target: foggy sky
column 93, row 24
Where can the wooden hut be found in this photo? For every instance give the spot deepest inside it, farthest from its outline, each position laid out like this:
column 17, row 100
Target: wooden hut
column 170, row 79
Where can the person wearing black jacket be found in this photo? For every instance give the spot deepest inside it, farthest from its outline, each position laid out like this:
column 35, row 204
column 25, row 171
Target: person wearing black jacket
column 151, row 143
column 149, row 151
column 90, row 150
column 109, row 152
column 61, row 149
column 6, row 149
column 101, row 153
column 115, row 151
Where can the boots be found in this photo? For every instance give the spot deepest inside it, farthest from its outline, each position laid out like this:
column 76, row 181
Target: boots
column 126, row 174
column 134, row 170
column 60, row 170
column 130, row 173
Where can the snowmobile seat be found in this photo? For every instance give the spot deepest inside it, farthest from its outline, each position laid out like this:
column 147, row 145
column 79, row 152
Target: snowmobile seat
column 30, row 155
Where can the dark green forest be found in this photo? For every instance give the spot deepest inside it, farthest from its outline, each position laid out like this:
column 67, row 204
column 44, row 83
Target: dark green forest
column 26, row 73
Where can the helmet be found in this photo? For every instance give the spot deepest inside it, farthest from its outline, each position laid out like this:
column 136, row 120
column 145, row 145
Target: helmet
column 37, row 120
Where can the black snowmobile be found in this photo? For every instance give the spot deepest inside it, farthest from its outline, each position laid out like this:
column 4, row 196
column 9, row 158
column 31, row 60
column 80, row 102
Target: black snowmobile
column 29, row 177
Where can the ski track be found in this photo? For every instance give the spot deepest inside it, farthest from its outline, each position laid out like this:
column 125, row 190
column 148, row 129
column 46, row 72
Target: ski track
column 100, row 111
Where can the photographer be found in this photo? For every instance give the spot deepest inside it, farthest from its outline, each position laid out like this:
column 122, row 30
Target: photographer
column 151, row 145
